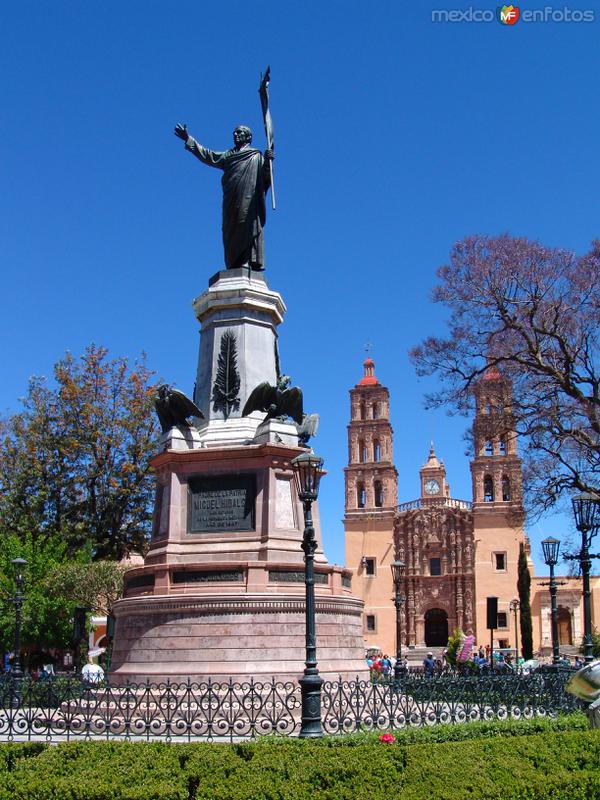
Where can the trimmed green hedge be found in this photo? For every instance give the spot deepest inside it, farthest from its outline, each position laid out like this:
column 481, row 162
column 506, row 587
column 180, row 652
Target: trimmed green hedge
column 458, row 733
column 530, row 760
column 97, row 771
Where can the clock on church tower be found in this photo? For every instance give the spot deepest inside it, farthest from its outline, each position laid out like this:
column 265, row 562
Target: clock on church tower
column 433, row 477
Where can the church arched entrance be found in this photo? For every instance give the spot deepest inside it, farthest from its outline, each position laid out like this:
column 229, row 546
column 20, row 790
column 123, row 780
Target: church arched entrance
column 436, row 628
column 565, row 631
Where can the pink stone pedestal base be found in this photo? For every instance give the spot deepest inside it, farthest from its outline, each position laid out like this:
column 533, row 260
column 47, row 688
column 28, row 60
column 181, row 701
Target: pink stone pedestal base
column 226, row 604
column 221, row 636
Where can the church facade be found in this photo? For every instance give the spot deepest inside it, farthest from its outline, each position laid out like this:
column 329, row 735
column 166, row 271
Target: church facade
column 457, row 552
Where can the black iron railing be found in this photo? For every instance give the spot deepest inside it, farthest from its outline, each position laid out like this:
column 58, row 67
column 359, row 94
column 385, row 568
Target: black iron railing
column 67, row 708
column 417, row 700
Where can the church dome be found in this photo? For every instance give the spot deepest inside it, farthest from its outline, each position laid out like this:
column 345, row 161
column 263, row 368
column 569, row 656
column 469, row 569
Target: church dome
column 369, row 378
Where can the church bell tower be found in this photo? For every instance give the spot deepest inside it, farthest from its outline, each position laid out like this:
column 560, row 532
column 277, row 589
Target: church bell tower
column 371, row 502
column 371, row 479
column 496, row 468
column 497, row 502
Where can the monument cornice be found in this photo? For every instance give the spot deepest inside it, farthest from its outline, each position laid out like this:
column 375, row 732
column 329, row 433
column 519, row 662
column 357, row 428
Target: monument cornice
column 234, row 604
column 239, row 294
column 245, row 453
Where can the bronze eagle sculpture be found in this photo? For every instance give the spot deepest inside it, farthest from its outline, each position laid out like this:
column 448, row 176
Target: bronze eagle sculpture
column 308, row 428
column 173, row 408
column 278, row 401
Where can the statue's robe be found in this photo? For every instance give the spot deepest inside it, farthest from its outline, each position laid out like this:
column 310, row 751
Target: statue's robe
column 245, row 182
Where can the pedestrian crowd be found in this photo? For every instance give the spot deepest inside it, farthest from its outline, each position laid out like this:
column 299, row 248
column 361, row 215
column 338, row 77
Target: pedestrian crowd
column 382, row 666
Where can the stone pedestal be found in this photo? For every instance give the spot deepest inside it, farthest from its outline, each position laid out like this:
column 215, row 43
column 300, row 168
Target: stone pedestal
column 222, row 629
column 221, row 593
column 228, row 601
column 228, row 504
column 180, row 438
column 239, row 316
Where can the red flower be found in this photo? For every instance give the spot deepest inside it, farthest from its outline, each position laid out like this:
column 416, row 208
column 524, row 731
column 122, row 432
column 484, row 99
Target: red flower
column 387, row 738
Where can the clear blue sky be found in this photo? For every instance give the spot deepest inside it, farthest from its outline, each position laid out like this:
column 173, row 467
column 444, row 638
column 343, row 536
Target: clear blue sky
column 395, row 137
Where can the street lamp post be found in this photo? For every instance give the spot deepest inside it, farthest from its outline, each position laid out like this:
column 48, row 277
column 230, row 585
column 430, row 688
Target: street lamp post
column 18, row 600
column 586, row 509
column 397, row 568
column 308, row 469
column 551, row 548
column 514, row 607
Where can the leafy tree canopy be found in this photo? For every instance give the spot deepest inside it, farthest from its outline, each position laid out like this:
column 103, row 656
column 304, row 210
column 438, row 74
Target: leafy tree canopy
column 74, row 463
column 96, row 586
column 533, row 313
column 47, row 619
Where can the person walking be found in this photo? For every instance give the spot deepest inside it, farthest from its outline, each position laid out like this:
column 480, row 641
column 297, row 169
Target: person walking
column 429, row 665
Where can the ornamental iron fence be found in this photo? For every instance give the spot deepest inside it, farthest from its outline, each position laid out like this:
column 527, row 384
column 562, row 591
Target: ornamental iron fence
column 69, row 708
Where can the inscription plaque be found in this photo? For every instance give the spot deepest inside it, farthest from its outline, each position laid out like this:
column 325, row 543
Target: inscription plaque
column 221, row 503
column 140, row 582
column 195, row 576
column 286, row 576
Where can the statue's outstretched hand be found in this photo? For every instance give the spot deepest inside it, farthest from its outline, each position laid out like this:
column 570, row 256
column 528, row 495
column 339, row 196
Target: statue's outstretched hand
column 182, row 132
column 269, row 154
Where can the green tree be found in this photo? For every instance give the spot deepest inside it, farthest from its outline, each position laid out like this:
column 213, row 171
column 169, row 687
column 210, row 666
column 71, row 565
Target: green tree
column 46, row 617
column 523, row 586
column 97, row 585
column 74, row 463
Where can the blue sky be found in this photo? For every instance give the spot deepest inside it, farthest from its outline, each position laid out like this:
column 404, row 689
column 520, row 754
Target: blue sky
column 395, row 137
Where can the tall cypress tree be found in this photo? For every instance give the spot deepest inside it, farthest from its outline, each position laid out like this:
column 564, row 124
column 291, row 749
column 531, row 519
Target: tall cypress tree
column 523, row 586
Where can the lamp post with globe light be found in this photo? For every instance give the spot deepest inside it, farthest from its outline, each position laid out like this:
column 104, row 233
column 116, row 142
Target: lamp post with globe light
column 397, row 568
column 18, row 600
column 551, row 548
column 586, row 510
column 308, row 469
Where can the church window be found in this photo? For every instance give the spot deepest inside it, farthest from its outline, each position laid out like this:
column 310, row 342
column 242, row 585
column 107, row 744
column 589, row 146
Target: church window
column 369, row 565
column 505, row 488
column 487, row 409
column 488, row 489
column 375, row 410
column 500, row 562
column 378, row 494
column 502, row 446
column 371, row 623
column 361, row 497
column 362, row 451
column 502, row 620
column 435, row 566
column 363, row 411
column 488, row 449
column 376, row 450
